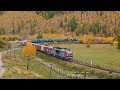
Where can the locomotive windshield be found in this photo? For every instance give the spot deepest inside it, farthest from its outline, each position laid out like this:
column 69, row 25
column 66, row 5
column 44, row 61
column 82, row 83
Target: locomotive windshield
column 67, row 49
column 60, row 48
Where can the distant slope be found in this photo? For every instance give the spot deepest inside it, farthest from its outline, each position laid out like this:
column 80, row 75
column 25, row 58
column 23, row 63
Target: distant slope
column 24, row 23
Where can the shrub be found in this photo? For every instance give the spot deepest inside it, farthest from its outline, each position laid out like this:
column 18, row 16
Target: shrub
column 4, row 43
column 109, row 40
column 10, row 38
column 85, row 39
column 87, row 45
column 90, row 38
column 80, row 41
column 115, row 43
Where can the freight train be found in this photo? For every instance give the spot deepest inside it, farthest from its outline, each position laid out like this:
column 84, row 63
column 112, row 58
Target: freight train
column 58, row 52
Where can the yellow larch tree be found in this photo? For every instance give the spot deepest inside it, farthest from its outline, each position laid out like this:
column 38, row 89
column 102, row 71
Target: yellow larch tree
column 28, row 51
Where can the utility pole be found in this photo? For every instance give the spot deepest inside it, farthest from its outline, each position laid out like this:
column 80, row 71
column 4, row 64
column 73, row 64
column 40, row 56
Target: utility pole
column 50, row 71
column 14, row 49
column 91, row 63
column 7, row 47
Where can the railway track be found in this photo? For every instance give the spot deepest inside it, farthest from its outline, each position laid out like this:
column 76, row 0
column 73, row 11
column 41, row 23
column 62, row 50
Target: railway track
column 95, row 68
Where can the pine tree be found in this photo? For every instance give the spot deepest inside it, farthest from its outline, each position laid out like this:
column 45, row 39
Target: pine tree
column 52, row 31
column 19, row 28
column 2, row 31
column 65, row 19
column 77, row 32
column 13, row 31
column 118, row 39
column 73, row 25
column 32, row 31
column 61, row 23
column 39, row 36
column 46, row 31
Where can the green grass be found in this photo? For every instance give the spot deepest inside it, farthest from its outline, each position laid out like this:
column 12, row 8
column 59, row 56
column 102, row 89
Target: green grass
column 71, row 68
column 16, row 66
column 64, row 65
column 100, row 54
column 18, row 69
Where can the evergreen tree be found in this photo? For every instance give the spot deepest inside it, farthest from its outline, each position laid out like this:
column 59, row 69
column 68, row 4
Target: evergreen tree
column 118, row 39
column 77, row 32
column 39, row 36
column 52, row 31
column 2, row 31
column 19, row 28
column 73, row 25
column 13, row 31
column 65, row 19
column 61, row 23
column 32, row 31
column 46, row 30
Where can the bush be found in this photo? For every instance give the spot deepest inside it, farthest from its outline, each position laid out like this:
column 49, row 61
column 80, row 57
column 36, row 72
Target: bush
column 4, row 43
column 80, row 41
column 109, row 40
column 10, row 38
column 115, row 43
column 87, row 45
column 85, row 39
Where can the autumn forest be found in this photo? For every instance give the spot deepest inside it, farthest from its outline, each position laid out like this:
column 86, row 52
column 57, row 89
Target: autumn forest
column 30, row 23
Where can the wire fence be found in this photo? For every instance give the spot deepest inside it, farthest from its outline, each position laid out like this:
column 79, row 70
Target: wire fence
column 61, row 71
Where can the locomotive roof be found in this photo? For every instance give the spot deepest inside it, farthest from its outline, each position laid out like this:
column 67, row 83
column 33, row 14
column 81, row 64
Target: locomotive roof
column 62, row 49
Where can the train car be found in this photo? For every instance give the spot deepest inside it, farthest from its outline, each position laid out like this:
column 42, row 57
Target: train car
column 39, row 47
column 33, row 44
column 49, row 50
column 42, row 48
column 74, row 39
column 25, row 42
column 36, row 46
column 45, row 48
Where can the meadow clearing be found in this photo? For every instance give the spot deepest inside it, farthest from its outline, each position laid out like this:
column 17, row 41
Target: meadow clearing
column 101, row 54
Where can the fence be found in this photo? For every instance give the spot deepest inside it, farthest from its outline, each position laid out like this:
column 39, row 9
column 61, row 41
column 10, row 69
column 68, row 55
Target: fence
column 60, row 71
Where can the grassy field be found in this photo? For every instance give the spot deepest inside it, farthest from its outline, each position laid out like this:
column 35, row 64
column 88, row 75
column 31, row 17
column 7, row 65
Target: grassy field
column 17, row 68
column 100, row 54
column 71, row 68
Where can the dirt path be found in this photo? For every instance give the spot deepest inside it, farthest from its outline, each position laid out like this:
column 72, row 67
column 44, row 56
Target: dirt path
column 2, row 69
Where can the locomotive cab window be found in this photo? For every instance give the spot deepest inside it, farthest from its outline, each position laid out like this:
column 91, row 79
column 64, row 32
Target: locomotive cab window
column 57, row 51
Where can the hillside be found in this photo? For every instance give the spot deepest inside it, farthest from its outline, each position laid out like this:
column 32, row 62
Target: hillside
column 30, row 23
